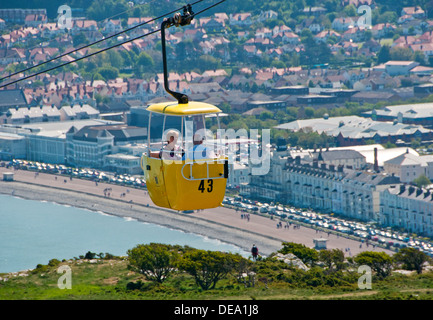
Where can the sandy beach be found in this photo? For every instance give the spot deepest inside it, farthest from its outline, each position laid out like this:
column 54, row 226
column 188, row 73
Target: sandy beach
column 221, row 223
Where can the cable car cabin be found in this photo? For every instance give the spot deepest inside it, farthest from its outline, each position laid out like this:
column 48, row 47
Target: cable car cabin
column 185, row 167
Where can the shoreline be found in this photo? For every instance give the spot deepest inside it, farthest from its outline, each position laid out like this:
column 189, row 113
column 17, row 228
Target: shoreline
column 148, row 214
column 221, row 223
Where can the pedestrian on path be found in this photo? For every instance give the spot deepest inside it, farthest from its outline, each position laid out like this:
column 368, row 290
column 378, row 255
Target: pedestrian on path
column 254, row 252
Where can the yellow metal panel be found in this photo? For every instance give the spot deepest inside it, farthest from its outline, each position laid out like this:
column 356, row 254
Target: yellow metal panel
column 169, row 189
column 186, row 194
column 190, row 108
column 153, row 173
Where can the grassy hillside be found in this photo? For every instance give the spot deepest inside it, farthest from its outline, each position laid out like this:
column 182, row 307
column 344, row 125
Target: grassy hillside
column 100, row 279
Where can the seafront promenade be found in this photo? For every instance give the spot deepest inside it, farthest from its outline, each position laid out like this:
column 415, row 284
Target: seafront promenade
column 220, row 223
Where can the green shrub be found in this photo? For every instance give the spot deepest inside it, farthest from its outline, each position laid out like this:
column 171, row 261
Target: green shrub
column 53, row 262
column 40, row 268
column 90, row 255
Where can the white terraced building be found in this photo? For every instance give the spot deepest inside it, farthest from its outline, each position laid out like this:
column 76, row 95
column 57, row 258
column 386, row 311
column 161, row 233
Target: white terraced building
column 321, row 186
column 408, row 207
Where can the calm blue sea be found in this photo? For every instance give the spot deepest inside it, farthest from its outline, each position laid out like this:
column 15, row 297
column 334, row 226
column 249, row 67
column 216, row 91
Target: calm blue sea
column 33, row 232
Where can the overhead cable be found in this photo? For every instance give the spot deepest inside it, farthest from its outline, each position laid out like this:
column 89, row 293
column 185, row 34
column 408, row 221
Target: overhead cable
column 91, row 44
column 102, row 50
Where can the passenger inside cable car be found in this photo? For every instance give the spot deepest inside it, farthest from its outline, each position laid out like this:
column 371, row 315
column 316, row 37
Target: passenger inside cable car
column 199, row 151
column 172, row 150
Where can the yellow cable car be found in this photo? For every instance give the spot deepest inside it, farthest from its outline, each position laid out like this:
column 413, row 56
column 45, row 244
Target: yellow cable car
column 185, row 168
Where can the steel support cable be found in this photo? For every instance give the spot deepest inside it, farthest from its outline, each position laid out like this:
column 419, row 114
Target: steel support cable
column 102, row 50
column 57, row 38
column 92, row 44
column 78, row 59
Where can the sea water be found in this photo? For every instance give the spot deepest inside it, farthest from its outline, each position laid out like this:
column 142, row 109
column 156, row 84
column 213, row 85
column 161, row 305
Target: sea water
column 34, row 232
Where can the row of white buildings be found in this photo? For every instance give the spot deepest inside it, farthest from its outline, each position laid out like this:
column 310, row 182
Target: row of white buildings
column 46, row 113
column 83, row 143
column 365, row 193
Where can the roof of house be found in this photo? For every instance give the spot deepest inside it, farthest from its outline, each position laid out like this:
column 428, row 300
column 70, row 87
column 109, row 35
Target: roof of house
column 412, row 111
column 33, row 112
column 372, row 178
column 120, row 132
column 12, row 98
column 399, row 63
column 339, row 155
column 72, row 111
column 405, row 159
column 409, row 159
column 353, row 127
column 384, row 155
column 411, row 192
column 255, row 111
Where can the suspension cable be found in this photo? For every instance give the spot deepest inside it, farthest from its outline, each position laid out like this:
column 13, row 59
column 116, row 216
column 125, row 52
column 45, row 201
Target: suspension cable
column 102, row 50
column 78, row 59
column 93, row 43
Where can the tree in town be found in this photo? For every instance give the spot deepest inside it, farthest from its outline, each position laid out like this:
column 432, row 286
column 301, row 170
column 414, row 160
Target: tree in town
column 315, row 52
column 101, row 9
column 155, row 261
column 420, row 57
column 115, row 59
column 384, row 54
column 379, row 262
column 208, row 62
column 309, row 139
column 101, row 99
column 309, row 112
column 415, row 143
column 350, row 10
column 422, row 181
column 208, row 267
column 108, row 72
column 401, row 54
column 411, row 259
column 144, row 63
column 79, row 39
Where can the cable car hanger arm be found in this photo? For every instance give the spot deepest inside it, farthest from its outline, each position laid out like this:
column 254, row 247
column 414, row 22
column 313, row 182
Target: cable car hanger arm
column 177, row 20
